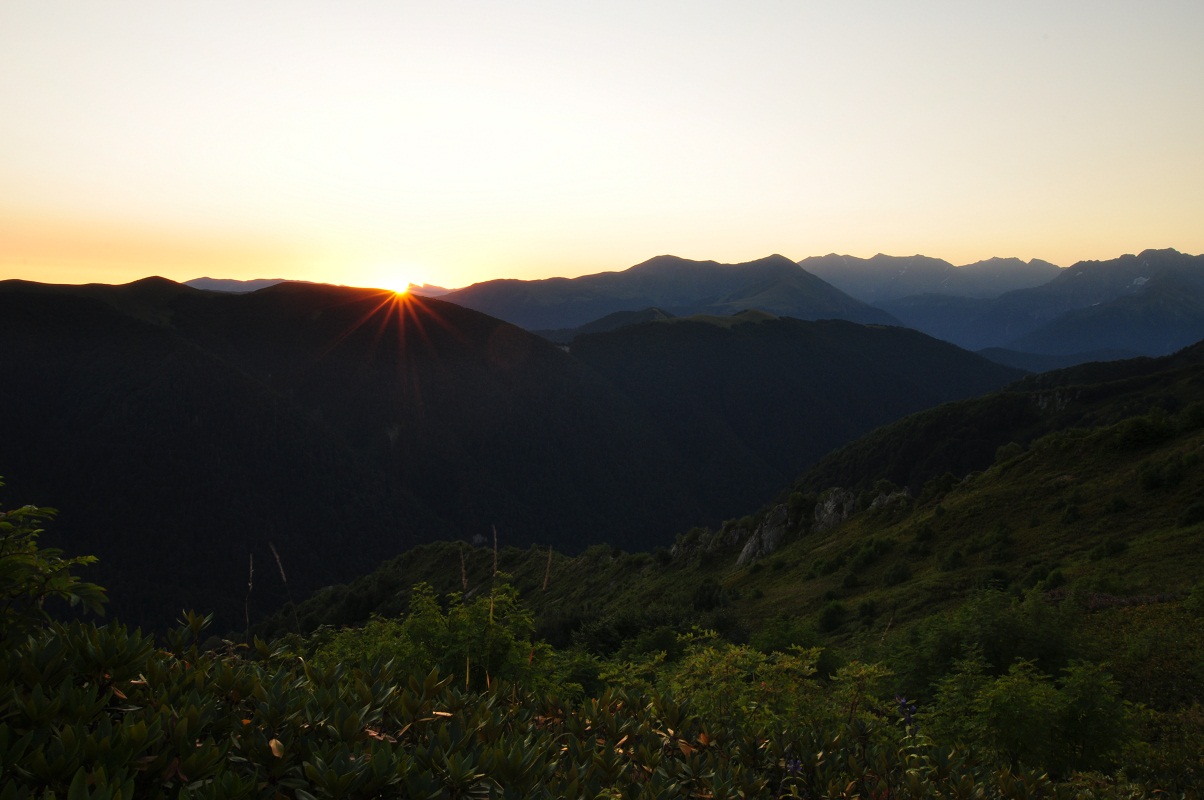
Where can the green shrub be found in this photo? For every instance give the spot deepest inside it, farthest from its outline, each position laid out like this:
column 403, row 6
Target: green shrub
column 34, row 580
column 1165, row 474
column 1007, row 452
column 831, row 616
column 709, row 595
column 1145, row 431
column 1034, row 576
column 1054, row 580
column 952, row 560
column 897, row 573
column 1191, row 418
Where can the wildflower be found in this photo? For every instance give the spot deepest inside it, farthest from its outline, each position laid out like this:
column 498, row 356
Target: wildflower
column 907, row 710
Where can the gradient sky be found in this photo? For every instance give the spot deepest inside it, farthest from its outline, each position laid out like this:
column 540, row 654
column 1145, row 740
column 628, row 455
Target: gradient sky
column 375, row 143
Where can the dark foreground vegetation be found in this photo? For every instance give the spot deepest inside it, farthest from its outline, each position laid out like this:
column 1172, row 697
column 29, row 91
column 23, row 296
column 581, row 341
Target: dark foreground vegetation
column 1033, row 627
column 457, row 696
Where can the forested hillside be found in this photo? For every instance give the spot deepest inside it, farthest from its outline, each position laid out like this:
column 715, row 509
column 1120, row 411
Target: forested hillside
column 1069, row 563
column 199, row 441
column 1036, row 629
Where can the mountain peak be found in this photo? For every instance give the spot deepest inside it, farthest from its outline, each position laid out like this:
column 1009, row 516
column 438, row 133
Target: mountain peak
column 665, row 263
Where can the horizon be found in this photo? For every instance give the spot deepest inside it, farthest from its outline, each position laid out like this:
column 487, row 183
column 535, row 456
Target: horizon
column 431, row 285
column 382, row 145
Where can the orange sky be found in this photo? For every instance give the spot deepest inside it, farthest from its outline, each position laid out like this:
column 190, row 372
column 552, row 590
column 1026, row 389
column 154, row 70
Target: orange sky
column 375, row 143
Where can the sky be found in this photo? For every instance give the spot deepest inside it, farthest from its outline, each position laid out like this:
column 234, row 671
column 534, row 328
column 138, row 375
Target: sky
column 379, row 143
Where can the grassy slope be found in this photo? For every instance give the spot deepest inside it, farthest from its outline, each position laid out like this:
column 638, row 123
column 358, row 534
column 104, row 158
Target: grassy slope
column 1099, row 506
column 1091, row 514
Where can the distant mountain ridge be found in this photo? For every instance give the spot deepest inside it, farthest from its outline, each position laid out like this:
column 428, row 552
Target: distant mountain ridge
column 677, row 285
column 232, row 285
column 1151, row 304
column 884, row 278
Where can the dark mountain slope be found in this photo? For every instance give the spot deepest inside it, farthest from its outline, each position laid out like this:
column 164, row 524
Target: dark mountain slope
column 1097, row 529
column 173, row 468
column 963, row 436
column 619, row 319
column 184, row 429
column 311, row 417
column 678, row 285
column 776, row 394
column 1043, row 362
column 486, row 422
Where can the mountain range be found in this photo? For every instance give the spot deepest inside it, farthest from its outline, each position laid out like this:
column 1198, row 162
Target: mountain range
column 883, row 278
column 679, row 286
column 1146, row 304
column 1032, row 314
column 309, row 430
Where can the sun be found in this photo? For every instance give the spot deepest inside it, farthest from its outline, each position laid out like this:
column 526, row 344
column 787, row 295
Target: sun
column 395, row 275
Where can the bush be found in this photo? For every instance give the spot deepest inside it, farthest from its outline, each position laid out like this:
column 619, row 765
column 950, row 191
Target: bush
column 1144, row 431
column 1192, row 417
column 896, row 574
column 709, row 595
column 33, row 576
column 831, row 616
column 1054, row 580
column 488, row 638
column 1162, row 475
column 1007, row 452
column 952, row 560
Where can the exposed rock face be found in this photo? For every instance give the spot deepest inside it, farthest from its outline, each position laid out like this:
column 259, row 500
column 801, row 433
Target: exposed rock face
column 892, row 500
column 767, row 537
column 834, row 507
column 699, row 541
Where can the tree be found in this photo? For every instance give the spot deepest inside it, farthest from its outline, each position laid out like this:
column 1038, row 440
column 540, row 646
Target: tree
column 30, row 575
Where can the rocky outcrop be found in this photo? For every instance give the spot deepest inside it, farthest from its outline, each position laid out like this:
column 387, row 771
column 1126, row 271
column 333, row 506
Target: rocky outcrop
column 702, row 541
column 767, row 537
column 833, row 507
column 891, row 500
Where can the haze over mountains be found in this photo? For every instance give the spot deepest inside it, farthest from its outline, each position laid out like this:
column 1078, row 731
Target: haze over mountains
column 1146, row 304
column 883, row 278
column 678, row 286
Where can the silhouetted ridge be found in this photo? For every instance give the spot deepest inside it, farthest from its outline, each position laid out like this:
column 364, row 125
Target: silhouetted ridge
column 680, row 286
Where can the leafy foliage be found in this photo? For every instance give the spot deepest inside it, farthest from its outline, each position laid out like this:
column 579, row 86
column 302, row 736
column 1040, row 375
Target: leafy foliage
column 103, row 712
column 31, row 575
